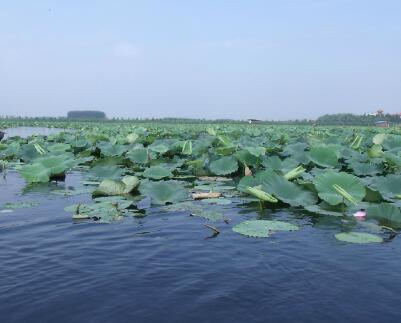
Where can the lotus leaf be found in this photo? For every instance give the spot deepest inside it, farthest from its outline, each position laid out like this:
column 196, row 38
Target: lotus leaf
column 324, row 156
column 224, row 166
column 139, row 155
column 263, row 228
column 385, row 211
column 163, row 192
column 325, row 183
column 358, row 237
column 157, row 172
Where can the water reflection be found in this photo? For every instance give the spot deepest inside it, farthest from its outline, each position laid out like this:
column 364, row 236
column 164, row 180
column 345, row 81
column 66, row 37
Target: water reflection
column 25, row 132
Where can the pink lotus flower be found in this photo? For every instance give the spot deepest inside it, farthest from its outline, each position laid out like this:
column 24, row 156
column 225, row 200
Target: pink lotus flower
column 360, row 214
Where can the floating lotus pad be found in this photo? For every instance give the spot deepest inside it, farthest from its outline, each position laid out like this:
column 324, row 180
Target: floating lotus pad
column 263, row 228
column 114, row 187
column 163, row 192
column 358, row 237
column 157, row 172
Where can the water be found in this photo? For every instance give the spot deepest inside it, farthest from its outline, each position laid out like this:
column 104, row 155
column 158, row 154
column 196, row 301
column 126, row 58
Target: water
column 25, row 132
column 163, row 268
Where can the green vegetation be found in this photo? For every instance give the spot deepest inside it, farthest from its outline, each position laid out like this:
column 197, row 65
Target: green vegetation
column 86, row 115
column 321, row 170
column 353, row 119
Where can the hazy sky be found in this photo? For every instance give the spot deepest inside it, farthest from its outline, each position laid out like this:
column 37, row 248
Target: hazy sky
column 202, row 59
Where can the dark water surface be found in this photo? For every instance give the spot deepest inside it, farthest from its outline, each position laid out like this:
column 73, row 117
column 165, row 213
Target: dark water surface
column 161, row 268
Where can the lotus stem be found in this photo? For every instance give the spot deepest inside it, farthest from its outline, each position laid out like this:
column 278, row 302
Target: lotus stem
column 260, row 194
column 345, row 194
column 39, row 149
column 356, row 142
column 215, row 230
column 294, row 173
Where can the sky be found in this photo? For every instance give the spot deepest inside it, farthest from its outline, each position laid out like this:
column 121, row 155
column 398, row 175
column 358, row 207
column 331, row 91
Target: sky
column 237, row 59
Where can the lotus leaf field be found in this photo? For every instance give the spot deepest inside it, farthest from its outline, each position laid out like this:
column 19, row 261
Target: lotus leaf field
column 129, row 168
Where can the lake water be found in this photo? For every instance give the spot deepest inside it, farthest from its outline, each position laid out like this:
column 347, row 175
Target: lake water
column 25, row 132
column 164, row 268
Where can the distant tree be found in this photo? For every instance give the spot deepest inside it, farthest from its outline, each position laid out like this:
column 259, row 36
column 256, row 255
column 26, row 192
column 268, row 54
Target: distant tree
column 86, row 115
column 353, row 119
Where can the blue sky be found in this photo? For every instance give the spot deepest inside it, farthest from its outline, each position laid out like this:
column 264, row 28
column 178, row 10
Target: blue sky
column 203, row 59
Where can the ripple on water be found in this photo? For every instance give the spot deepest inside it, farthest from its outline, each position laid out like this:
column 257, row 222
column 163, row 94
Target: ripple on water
column 162, row 268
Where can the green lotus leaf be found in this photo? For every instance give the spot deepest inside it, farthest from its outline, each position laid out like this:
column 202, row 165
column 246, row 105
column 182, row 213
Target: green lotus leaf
column 44, row 167
column 157, row 172
column 259, row 193
column 107, row 211
column 211, row 131
column 187, row 148
column 28, row 153
column 11, row 150
column 285, row 190
column 110, row 187
column 159, row 148
column 202, row 145
column 218, row 201
column 81, row 143
column 35, row 173
column 393, row 144
column 358, row 237
column 324, row 156
column 246, row 158
column 262, row 228
column 138, row 155
column 109, row 161
column 326, row 181
column 225, row 150
column 388, row 186
column 59, row 147
column 375, row 151
column 393, row 160
column 385, row 211
column 275, row 163
column 247, row 181
column 256, row 151
column 379, row 138
column 132, row 137
column 225, row 141
column 365, row 169
column 182, row 206
column 163, row 192
column 224, row 166
column 326, row 209
column 131, row 183
column 109, row 149
column 294, row 149
column 103, row 172
column 57, row 164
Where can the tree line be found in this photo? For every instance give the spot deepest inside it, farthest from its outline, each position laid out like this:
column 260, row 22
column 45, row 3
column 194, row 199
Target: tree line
column 327, row 119
column 355, row 120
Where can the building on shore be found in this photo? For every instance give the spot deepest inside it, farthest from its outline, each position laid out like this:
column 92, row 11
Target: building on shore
column 382, row 124
column 254, row 121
